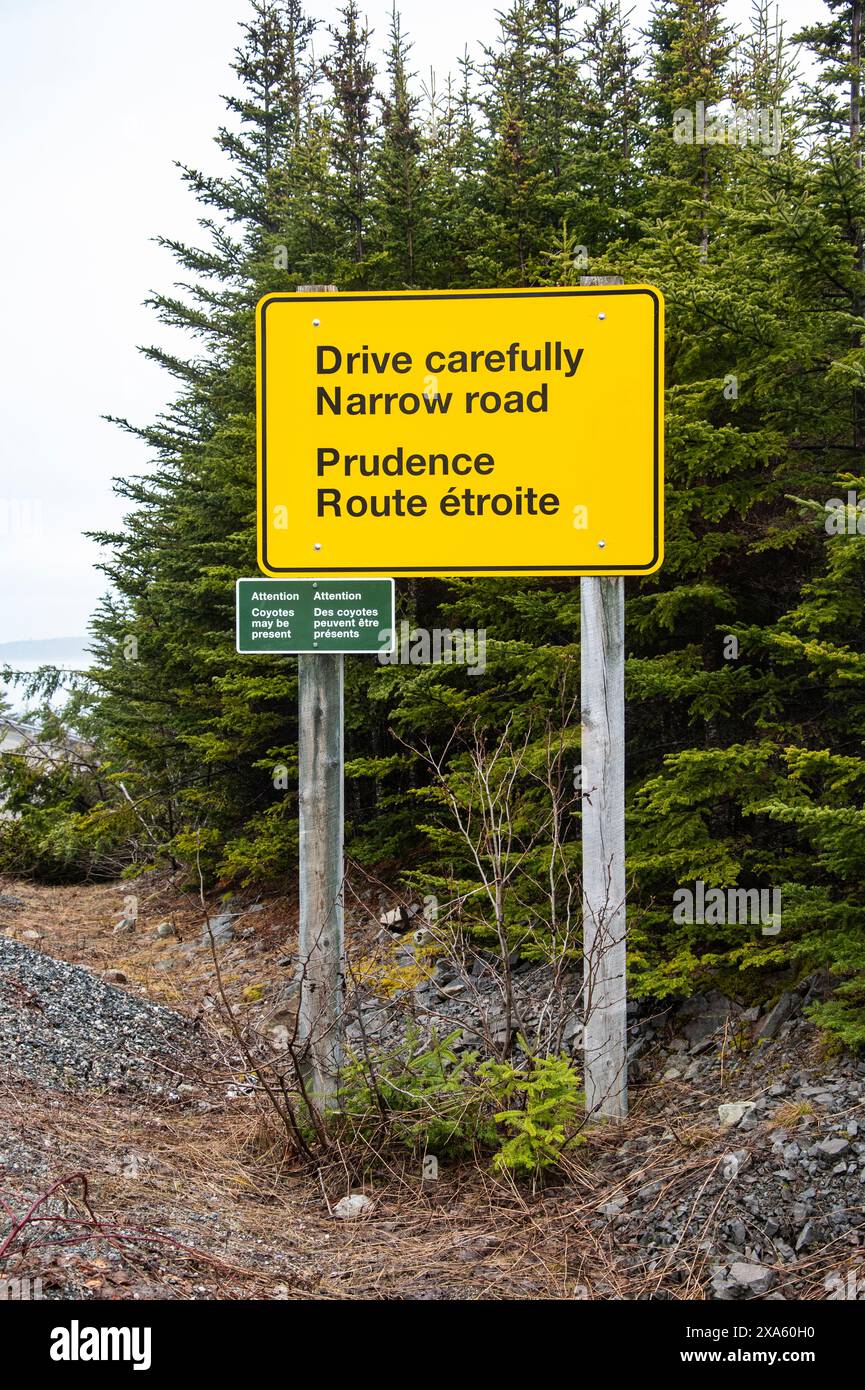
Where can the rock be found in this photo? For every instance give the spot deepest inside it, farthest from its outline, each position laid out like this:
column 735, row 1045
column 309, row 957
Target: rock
column 705, row 1014
column 831, row 1149
column 672, row 1074
column 125, row 924
column 32, row 935
column 400, row 919
column 281, row 1021
column 733, row 1111
column 732, row 1164
column 221, row 929
column 645, row 1194
column 806, row 1237
column 769, row 1026
column 452, row 987
column 572, row 1028
column 353, row 1207
column 499, row 1032
column 752, row 1278
column 738, row 1232
column 114, row 977
column 166, row 929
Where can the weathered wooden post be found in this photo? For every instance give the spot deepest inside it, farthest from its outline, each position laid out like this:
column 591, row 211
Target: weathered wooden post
column 602, row 647
column 320, row 789
column 602, row 696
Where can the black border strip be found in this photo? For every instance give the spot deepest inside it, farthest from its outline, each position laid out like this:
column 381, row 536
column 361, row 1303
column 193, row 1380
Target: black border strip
column 464, row 570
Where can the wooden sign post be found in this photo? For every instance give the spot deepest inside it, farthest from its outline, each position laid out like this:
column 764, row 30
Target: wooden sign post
column 602, row 693
column 320, row 788
column 321, row 945
column 602, row 699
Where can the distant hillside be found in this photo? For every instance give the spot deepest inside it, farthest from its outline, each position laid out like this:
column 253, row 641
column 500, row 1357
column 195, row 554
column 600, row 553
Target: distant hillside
column 69, row 652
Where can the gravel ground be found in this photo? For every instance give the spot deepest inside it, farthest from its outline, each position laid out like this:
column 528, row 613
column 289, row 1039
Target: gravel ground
column 63, row 1026
column 740, row 1173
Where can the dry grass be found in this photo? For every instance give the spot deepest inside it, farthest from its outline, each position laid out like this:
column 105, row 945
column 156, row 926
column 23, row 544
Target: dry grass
column 790, row 1113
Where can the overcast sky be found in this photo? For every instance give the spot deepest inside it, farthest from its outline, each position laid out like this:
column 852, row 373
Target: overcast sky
column 98, row 98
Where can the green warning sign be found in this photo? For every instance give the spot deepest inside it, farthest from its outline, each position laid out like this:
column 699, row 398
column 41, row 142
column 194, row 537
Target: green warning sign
column 315, row 615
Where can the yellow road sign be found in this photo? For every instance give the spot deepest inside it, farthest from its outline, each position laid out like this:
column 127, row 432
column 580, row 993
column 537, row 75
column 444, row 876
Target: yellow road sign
column 461, row 432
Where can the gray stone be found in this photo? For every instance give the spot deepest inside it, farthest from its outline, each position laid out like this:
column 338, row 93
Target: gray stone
column 281, row 1021
column 221, row 929
column 752, row 1278
column 734, row 1163
column 806, row 1237
column 452, row 987
column 499, row 1032
column 572, row 1028
column 768, row 1027
column 749, row 1120
column 831, row 1149
column 353, row 1207
column 445, row 970
column 400, row 919
column 738, row 1232
column 706, row 1013
column 166, row 929
column 731, row 1112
